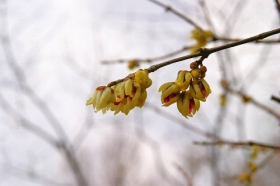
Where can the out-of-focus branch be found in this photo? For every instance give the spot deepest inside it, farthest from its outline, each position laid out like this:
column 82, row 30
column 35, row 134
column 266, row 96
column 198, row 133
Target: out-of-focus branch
column 177, row 13
column 249, row 99
column 6, row 107
column 262, row 164
column 64, row 142
column 75, row 166
column 18, row 171
column 19, row 74
column 184, row 173
column 148, row 60
column 183, row 123
column 48, row 138
column 277, row 99
column 277, row 2
column 205, row 52
column 237, row 144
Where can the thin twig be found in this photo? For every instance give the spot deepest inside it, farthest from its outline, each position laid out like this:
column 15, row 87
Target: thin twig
column 21, row 78
column 262, row 164
column 253, row 101
column 183, row 123
column 64, row 142
column 32, row 174
column 148, row 60
column 184, row 173
column 185, row 48
column 277, row 5
column 277, row 99
column 177, row 13
column 231, row 143
column 204, row 53
column 28, row 124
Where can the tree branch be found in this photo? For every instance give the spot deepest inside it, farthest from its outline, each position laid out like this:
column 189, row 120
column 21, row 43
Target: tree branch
column 148, row 60
column 253, row 101
column 28, row 124
column 277, row 99
column 177, row 13
column 64, row 142
column 204, row 53
column 231, row 143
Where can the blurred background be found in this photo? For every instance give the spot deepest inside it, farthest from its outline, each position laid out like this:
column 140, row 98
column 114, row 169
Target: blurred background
column 52, row 59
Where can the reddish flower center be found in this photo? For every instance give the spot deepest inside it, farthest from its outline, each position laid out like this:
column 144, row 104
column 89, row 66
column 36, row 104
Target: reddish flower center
column 191, row 105
column 170, row 96
column 202, row 90
column 133, row 90
column 117, row 103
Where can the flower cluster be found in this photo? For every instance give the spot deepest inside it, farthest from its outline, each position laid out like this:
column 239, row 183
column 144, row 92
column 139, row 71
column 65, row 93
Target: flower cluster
column 246, row 177
column 201, row 37
column 188, row 90
column 123, row 96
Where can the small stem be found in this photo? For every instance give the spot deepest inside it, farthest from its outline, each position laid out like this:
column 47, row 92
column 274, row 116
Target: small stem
column 248, row 143
column 256, row 103
column 149, row 60
column 277, row 99
column 177, row 13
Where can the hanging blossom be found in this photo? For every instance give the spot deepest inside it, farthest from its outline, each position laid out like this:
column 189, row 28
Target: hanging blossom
column 201, row 37
column 123, row 96
column 187, row 91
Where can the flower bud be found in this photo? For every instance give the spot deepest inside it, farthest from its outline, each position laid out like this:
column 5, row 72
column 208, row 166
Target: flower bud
column 193, row 65
column 170, row 93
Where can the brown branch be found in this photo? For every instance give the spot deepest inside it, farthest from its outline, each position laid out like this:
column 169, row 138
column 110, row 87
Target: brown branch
column 267, row 41
column 251, row 100
column 215, row 38
column 184, row 173
column 204, row 53
column 177, row 13
column 277, row 5
column 148, row 60
column 234, row 144
column 277, row 99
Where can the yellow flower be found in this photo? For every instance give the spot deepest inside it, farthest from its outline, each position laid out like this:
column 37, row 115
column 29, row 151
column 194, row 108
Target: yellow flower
column 252, row 166
column 196, row 73
column 187, row 105
column 133, row 63
column 170, row 93
column 119, row 90
column 200, row 90
column 101, row 98
column 254, row 151
column 142, row 77
column 183, row 79
column 245, row 178
column 123, row 96
column 142, row 98
column 201, row 37
column 223, row 100
column 246, row 99
column 127, row 96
